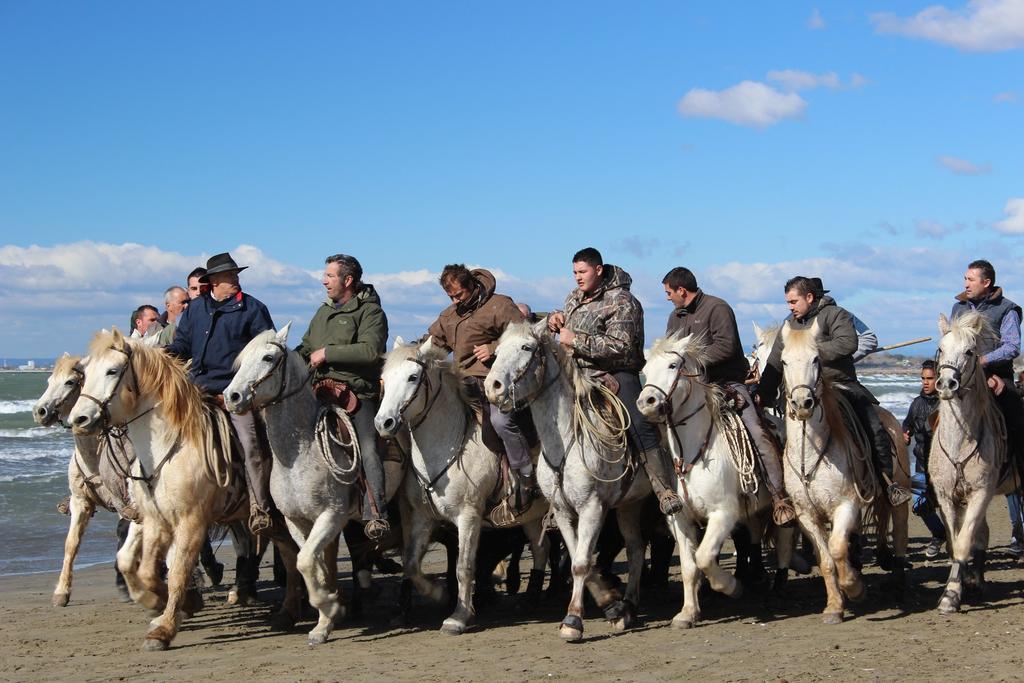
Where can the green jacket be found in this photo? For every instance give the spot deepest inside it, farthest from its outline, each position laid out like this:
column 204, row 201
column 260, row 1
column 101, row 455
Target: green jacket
column 355, row 337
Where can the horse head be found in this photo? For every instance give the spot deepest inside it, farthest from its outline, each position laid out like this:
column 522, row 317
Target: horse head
column 517, row 374
column 260, row 371
column 801, row 369
column 63, row 387
column 109, row 390
column 407, row 390
column 958, row 359
column 758, row 358
column 669, row 373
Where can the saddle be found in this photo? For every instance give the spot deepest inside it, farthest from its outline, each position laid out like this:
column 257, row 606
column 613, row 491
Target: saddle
column 863, row 468
column 483, row 418
column 333, row 392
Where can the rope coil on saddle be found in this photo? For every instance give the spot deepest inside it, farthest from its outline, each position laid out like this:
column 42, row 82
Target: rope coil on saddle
column 614, row 436
column 742, row 451
column 325, row 437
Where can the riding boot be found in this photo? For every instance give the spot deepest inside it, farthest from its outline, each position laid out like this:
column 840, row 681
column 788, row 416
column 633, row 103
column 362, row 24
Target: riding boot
column 214, row 569
column 526, row 491
column 881, row 444
column 653, row 462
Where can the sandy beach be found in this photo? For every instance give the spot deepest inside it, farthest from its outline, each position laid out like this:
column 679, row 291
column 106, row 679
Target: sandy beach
column 99, row 638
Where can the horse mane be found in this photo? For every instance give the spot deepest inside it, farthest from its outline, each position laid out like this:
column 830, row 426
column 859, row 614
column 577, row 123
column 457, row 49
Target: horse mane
column 970, row 327
column 770, row 334
column 438, row 358
column 181, row 401
column 65, row 365
column 250, row 348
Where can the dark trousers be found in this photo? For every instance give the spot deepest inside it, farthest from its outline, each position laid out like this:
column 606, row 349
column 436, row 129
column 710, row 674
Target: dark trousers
column 122, row 536
column 864, row 407
column 257, row 463
column 642, row 434
column 373, row 470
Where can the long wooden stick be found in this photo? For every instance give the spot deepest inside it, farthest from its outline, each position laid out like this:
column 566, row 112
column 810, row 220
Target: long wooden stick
column 900, row 345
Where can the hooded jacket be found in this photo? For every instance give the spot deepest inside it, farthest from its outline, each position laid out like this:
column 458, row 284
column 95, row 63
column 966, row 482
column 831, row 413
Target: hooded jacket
column 837, row 341
column 212, row 334
column 354, row 337
column 916, row 424
column 608, row 324
column 479, row 322
column 714, row 320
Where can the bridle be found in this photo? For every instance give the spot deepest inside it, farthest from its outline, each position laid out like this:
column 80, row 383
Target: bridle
column 963, row 383
column 811, row 388
column 104, row 405
column 280, row 395
column 667, row 395
column 423, row 382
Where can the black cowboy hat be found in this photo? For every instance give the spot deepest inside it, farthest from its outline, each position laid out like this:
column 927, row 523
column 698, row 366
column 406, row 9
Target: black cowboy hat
column 816, row 281
column 220, row 263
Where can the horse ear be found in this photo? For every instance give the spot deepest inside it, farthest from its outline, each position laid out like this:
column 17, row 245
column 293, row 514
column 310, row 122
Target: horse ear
column 758, row 332
column 427, row 346
column 282, row 334
column 66, row 355
column 118, row 338
column 540, row 328
column 398, row 342
column 943, row 324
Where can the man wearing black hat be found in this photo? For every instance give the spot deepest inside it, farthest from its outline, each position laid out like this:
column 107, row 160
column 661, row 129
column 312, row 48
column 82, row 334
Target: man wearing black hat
column 837, row 343
column 211, row 332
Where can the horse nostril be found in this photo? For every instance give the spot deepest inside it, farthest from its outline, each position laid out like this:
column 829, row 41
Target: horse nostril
column 651, row 400
column 807, row 404
column 41, row 412
column 81, row 420
column 235, row 397
column 389, row 424
column 496, row 385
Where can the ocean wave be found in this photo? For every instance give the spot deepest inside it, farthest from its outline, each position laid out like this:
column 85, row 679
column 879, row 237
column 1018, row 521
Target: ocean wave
column 36, row 477
column 18, row 406
column 30, row 432
column 30, row 454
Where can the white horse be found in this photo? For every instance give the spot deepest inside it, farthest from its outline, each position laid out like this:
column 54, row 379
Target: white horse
column 585, row 470
column 967, row 464
column 316, row 494
column 720, row 482
column 452, row 474
column 87, row 490
column 183, row 477
column 888, row 519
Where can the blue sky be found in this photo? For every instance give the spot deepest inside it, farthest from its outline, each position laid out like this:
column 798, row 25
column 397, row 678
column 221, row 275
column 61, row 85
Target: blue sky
column 877, row 146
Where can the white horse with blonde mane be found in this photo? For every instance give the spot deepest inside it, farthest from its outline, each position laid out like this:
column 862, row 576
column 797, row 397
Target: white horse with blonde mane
column 183, row 477
column 452, row 475
column 314, row 488
column 967, row 464
column 87, row 489
column 720, row 482
column 586, row 468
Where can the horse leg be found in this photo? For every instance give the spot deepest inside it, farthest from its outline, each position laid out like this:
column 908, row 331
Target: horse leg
column 900, row 536
column 417, row 526
column 291, row 607
column 845, row 521
column 686, row 536
column 128, row 559
column 468, row 524
column 188, row 539
column 833, row 613
column 975, row 583
column 311, row 563
column 243, row 592
column 541, row 548
column 629, row 526
column 785, row 541
column 964, row 540
column 588, row 526
column 156, row 539
column 719, row 527
column 81, row 511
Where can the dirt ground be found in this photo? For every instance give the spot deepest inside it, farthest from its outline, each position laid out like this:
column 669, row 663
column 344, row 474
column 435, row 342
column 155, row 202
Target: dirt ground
column 754, row 638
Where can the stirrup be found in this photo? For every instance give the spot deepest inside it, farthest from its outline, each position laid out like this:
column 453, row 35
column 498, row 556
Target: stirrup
column 669, row 502
column 259, row 522
column 783, row 513
column 376, row 529
column 897, row 494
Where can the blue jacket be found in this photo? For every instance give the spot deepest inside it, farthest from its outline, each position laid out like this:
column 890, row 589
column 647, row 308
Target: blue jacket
column 213, row 337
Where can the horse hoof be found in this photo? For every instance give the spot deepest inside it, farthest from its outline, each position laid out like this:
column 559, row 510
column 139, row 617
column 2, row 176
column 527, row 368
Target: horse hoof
column 451, row 627
column 859, row 596
column 154, row 645
column 832, row 618
column 680, row 622
column 61, row 599
column 282, row 621
column 315, row 639
column 737, row 591
column 232, row 597
column 570, row 634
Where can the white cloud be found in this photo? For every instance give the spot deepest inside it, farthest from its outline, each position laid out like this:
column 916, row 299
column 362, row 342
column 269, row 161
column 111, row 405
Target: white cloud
column 980, row 26
column 815, row 22
column 793, row 79
column 963, row 166
column 1014, row 222
column 748, row 103
column 1005, row 97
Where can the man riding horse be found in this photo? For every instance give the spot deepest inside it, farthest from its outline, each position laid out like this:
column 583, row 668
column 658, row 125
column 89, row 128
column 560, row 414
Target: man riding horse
column 838, row 341
column 603, row 328
column 344, row 346
column 470, row 329
column 706, row 316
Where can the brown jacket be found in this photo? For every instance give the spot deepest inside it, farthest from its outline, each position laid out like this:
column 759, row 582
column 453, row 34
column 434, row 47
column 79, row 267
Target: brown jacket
column 714, row 320
column 482, row 321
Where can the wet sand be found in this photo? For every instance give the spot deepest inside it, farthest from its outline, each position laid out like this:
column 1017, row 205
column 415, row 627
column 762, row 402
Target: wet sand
column 754, row 638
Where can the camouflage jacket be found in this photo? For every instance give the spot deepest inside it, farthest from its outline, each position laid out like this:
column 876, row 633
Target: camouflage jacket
column 609, row 325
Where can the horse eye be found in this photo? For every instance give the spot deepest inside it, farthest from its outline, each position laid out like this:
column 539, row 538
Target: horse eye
column 526, row 347
column 968, row 353
column 71, row 383
column 673, row 366
column 111, row 372
column 412, row 378
column 268, row 358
